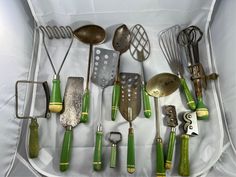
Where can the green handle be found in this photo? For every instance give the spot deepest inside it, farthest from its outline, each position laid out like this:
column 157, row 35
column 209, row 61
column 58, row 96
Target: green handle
column 34, row 139
column 184, row 169
column 131, row 152
column 115, row 100
column 113, row 156
column 146, row 103
column 190, row 101
column 66, row 150
column 85, row 107
column 97, row 158
column 55, row 104
column 160, row 169
column 170, row 151
column 202, row 110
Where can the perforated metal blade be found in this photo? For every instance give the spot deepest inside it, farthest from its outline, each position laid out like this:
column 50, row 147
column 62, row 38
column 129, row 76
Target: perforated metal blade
column 72, row 101
column 105, row 67
column 130, row 95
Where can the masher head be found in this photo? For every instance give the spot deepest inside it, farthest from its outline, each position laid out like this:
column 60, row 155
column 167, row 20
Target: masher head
column 105, row 67
column 139, row 46
column 130, row 102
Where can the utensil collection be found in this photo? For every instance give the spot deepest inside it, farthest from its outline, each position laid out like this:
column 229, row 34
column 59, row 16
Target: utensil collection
column 131, row 91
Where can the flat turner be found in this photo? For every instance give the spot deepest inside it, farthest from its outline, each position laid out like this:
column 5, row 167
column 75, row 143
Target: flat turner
column 71, row 116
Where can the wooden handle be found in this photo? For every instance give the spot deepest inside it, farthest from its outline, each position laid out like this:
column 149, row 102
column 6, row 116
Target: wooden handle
column 97, row 158
column 190, row 101
column 131, row 152
column 66, row 150
column 170, row 151
column 85, row 107
column 113, row 156
column 160, row 169
column 34, row 139
column 115, row 100
column 202, row 110
column 146, row 103
column 55, row 104
column 184, row 169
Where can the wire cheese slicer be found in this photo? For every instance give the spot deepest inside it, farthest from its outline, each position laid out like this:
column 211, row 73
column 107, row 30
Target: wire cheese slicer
column 21, row 87
column 140, row 50
column 56, row 32
column 104, row 72
column 130, row 105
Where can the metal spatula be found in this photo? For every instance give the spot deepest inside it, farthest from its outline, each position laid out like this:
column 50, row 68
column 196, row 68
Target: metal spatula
column 130, row 105
column 71, row 116
column 104, row 72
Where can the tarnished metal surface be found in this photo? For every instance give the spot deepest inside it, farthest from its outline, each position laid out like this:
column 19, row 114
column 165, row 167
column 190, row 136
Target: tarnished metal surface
column 171, row 116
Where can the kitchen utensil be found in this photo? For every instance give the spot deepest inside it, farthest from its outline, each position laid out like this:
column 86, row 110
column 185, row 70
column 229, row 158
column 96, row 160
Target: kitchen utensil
column 159, row 86
column 171, row 50
column 172, row 122
column 189, row 38
column 56, row 32
column 140, row 51
column 92, row 35
column 190, row 128
column 104, row 69
column 115, row 138
column 23, row 85
column 121, row 43
column 70, row 117
column 130, row 107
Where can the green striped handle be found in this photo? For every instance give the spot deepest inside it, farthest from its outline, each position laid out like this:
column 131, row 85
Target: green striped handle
column 55, row 104
column 34, row 139
column 97, row 158
column 202, row 110
column 115, row 100
column 131, row 152
column 113, row 156
column 146, row 103
column 190, row 101
column 160, row 169
column 66, row 150
column 184, row 169
column 85, row 107
column 170, row 151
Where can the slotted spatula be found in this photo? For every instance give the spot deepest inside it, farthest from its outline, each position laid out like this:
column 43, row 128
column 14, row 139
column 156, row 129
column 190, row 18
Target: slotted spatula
column 104, row 72
column 130, row 105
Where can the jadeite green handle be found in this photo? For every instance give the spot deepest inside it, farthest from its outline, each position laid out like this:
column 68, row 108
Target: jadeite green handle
column 202, row 110
column 55, row 104
column 131, row 152
column 170, row 150
column 85, row 107
column 190, row 101
column 34, row 139
column 113, row 156
column 115, row 100
column 66, row 150
column 184, row 169
column 146, row 103
column 97, row 158
column 160, row 169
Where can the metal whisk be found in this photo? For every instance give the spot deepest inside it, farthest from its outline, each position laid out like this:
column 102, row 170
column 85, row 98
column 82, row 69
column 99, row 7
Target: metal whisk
column 171, row 50
column 55, row 32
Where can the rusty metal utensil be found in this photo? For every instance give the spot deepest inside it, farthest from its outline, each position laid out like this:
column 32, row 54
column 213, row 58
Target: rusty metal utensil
column 71, row 116
column 115, row 138
column 130, row 106
column 159, row 86
column 171, row 50
column 104, row 70
column 33, row 137
column 121, row 43
column 140, row 50
column 92, row 35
